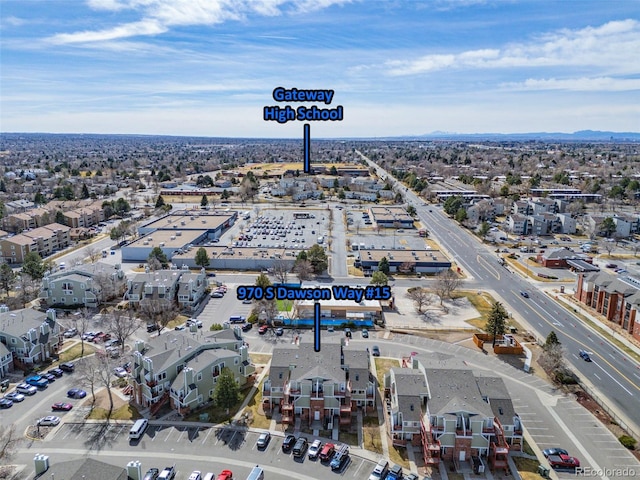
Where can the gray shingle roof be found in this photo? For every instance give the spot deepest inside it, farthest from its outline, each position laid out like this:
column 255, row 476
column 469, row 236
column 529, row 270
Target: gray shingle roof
column 83, row 469
column 19, row 322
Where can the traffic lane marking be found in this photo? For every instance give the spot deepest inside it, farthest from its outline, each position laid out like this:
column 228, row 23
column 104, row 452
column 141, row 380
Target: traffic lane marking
column 607, row 373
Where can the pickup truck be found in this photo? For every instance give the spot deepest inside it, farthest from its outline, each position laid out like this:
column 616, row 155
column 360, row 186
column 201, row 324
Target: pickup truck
column 563, row 461
column 37, row 381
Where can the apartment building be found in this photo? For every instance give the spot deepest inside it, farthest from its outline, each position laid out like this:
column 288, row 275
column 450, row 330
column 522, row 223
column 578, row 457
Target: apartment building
column 616, row 298
column 31, row 336
column 182, row 367
column 318, row 387
column 50, row 238
column 14, row 249
column 191, row 289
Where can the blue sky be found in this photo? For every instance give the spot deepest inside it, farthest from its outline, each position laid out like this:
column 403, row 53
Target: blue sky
column 208, row 67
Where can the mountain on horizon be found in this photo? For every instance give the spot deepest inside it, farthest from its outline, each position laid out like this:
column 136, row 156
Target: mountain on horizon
column 581, row 135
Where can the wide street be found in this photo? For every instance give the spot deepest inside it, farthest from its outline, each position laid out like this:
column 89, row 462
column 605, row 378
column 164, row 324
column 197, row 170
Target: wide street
column 613, row 374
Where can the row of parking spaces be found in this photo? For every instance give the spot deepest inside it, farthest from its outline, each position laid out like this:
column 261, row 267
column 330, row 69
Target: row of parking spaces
column 157, row 437
column 407, row 239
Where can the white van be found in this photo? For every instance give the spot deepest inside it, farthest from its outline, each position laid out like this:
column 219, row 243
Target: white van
column 209, row 476
column 256, row 474
column 138, row 429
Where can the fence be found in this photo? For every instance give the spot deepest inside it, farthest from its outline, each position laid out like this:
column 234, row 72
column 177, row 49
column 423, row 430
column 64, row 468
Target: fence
column 613, row 415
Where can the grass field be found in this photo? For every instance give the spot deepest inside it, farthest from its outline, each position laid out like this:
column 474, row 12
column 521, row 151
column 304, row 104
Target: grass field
column 126, row 412
column 382, row 366
column 253, row 409
column 74, row 352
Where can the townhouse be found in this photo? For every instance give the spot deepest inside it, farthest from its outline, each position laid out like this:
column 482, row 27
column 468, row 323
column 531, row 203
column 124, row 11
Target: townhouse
column 14, row 249
column 321, row 388
column 6, row 360
column 453, row 413
column 182, row 367
column 31, row 336
column 616, row 298
column 83, row 286
column 191, row 289
column 50, row 238
column 181, row 287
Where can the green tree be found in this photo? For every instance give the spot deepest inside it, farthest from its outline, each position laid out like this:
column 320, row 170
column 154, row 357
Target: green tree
column 225, row 194
column 85, row 191
column 411, row 210
column 333, row 170
column 608, row 226
column 504, row 191
column 552, row 340
column 39, row 199
column 227, row 392
column 202, row 259
column 7, row 278
column 158, row 255
column 497, row 321
column 341, row 194
column 318, row 258
column 60, row 217
column 383, row 266
column 452, row 204
column 160, row 202
column 33, row 266
column 379, row 278
column 204, row 202
column 484, row 229
column 461, row 215
column 263, row 281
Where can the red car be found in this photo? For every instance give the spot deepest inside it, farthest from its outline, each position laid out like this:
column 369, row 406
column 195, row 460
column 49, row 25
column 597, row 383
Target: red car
column 263, row 329
column 61, row 406
column 563, row 461
column 225, row 475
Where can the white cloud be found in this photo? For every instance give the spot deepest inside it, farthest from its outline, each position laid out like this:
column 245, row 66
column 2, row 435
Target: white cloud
column 583, row 84
column 145, row 27
column 158, row 16
column 611, row 46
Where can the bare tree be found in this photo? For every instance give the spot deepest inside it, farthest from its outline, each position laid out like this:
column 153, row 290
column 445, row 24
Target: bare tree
column 608, row 246
column 104, row 375
column 121, row 324
column 269, row 307
column 281, row 269
column 27, row 287
column 81, row 323
column 107, row 286
column 303, row 269
column 86, row 371
column 552, row 358
column 8, row 445
column 447, row 283
column 154, row 264
column 92, row 252
column 420, row 297
column 159, row 311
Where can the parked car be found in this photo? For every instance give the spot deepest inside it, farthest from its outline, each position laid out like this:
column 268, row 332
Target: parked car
column 49, row 376
column 365, row 333
column 26, row 389
column 585, row 356
column 263, row 440
column 410, row 476
column 263, row 329
column 67, row 367
column 56, row 372
column 151, row 327
column 247, row 326
column 327, row 452
column 169, row 473
column 225, row 475
column 279, row 331
column 5, row 403
column 217, row 294
column 300, row 447
column 14, row 397
column 61, row 407
column 554, row 451
column 120, row 372
column 288, row 443
column 152, row 474
column 70, row 333
column 195, row 475
column 375, row 351
column 314, row 449
column 49, row 421
column 76, row 393
column 37, row 381
column 563, row 461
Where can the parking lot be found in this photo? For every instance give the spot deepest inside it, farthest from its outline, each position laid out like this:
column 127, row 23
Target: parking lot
column 271, row 228
column 213, row 447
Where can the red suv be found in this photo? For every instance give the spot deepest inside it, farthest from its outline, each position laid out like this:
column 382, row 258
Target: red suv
column 263, row 329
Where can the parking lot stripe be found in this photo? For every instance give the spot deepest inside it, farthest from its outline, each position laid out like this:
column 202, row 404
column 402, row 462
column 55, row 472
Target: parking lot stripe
column 207, row 435
column 169, row 434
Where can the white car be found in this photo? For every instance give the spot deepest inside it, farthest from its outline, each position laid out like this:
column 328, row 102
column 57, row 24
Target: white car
column 49, row 421
column 314, row 449
column 120, row 372
column 26, row 389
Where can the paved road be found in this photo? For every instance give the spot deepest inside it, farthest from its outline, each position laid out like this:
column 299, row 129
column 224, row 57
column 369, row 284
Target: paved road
column 613, row 374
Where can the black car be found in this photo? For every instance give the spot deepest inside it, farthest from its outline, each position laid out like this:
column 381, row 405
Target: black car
column 375, row 351
column 67, row 367
column 288, row 443
column 247, row 326
column 151, row 327
column 151, row 474
column 49, row 376
column 56, row 372
column 5, row 403
column 585, row 356
column 554, row 451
